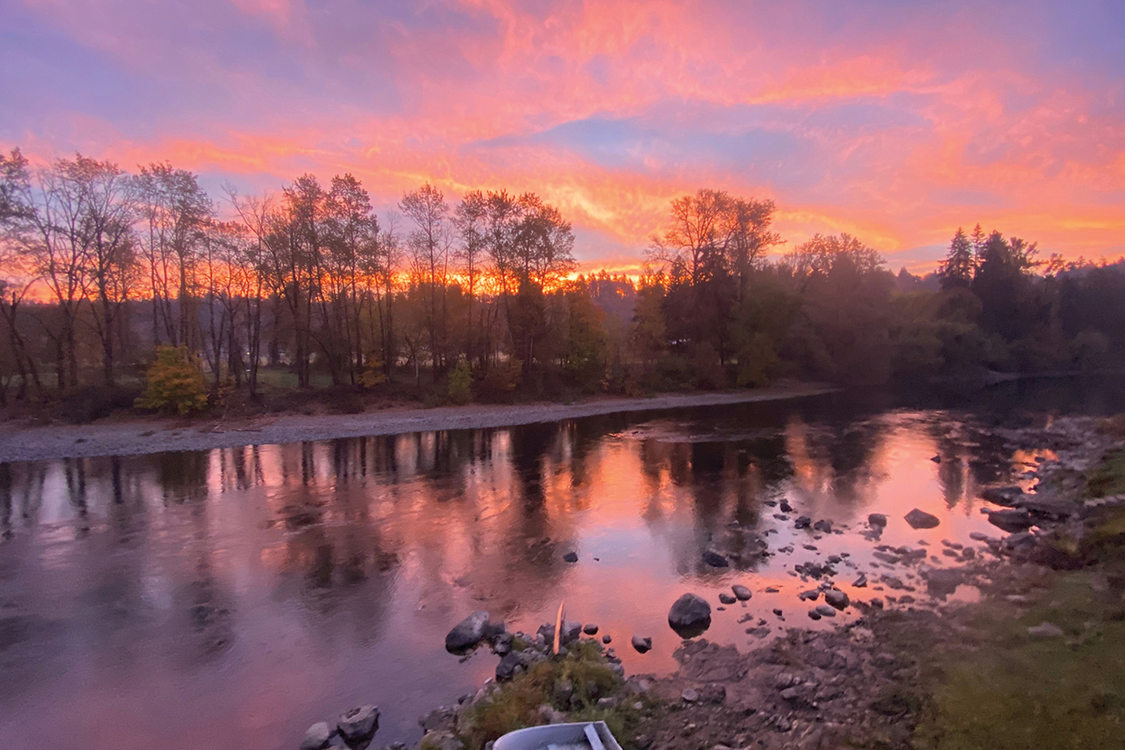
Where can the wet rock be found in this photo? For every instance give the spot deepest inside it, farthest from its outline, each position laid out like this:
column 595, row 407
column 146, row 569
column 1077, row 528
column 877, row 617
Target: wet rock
column 976, row 536
column 571, row 557
column 825, row 610
column 590, row 628
column 571, row 631
column 861, row 581
column 815, row 570
column 726, row 598
column 467, row 633
column 1002, row 495
column 316, row 736
column 741, row 592
column 836, row 598
column 642, row 644
column 936, row 459
column 785, row 506
column 607, row 638
column 1045, row 630
column 690, row 615
column 358, row 724
column 876, row 520
column 823, row 526
column 1011, row 520
column 811, row 595
column 814, row 614
column 803, row 522
column 715, row 560
column 761, row 632
column 920, row 519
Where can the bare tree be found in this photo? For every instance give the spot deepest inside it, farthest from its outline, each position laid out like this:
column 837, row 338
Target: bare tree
column 429, row 244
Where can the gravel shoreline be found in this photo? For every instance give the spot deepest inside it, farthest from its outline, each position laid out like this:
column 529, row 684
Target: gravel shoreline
column 158, row 435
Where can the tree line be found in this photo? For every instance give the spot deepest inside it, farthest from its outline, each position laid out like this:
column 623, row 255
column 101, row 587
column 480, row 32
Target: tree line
column 478, row 297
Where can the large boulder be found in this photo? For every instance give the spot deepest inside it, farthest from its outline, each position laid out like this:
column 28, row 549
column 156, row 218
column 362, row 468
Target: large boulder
column 358, row 724
column 920, row 519
column 690, row 616
column 467, row 633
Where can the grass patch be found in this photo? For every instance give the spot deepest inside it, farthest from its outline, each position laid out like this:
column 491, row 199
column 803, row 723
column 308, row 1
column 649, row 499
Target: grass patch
column 1108, row 477
column 516, row 704
column 1011, row 692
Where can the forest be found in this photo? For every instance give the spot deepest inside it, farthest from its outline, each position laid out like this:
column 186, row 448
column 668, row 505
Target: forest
column 120, row 289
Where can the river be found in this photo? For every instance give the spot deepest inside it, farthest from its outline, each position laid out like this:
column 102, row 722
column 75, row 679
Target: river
column 230, row 598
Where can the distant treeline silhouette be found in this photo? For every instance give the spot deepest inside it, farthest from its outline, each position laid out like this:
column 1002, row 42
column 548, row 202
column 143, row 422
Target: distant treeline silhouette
column 478, row 298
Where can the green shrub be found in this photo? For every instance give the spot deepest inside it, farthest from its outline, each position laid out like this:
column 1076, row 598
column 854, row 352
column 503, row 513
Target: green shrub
column 461, row 383
column 174, row 382
column 502, row 379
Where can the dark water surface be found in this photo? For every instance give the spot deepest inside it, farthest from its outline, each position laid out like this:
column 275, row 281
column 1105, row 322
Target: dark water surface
column 232, row 597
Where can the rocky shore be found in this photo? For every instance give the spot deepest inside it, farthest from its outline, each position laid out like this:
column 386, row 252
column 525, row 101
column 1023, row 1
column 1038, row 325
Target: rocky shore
column 881, row 679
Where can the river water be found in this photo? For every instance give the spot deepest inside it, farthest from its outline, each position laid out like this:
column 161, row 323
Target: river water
column 230, row 598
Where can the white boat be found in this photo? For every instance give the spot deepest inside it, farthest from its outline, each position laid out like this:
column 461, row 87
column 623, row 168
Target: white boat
column 586, row 735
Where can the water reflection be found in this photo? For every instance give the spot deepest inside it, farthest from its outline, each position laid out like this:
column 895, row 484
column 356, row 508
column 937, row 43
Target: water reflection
column 235, row 596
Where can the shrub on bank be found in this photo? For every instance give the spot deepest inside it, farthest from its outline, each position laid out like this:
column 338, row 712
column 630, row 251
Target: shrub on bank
column 174, row 382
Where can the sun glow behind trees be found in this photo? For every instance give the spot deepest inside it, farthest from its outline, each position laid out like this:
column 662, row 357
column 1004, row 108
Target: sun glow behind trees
column 101, row 268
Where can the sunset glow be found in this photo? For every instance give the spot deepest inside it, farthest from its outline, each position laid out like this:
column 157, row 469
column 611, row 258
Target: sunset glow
column 890, row 121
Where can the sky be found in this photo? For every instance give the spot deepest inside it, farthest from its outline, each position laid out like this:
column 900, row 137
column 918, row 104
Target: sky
column 891, row 120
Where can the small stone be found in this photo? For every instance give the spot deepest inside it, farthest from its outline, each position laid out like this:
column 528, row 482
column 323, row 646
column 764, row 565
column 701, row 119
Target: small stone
column 876, row 520
column 741, row 592
column 861, row 581
column 316, row 736
column 920, row 519
column 726, row 598
column 607, row 638
column 824, row 526
column 571, row 557
column 590, row 628
column 642, row 644
column 690, row 695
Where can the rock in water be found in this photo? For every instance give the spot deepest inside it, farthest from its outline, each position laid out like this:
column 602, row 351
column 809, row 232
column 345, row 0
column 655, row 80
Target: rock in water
column 836, row 598
column 741, row 592
column 358, row 724
column 825, row 611
column 726, row 598
column 920, row 519
column 571, row 557
column 642, row 644
column 316, row 736
column 1011, row 520
column 690, row 616
column 590, row 629
column 714, row 559
column 467, row 633
column 876, row 519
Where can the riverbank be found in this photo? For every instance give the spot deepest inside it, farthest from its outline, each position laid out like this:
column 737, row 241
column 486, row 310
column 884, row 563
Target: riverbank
column 161, row 434
column 1032, row 659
